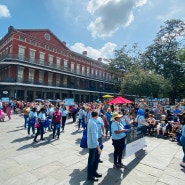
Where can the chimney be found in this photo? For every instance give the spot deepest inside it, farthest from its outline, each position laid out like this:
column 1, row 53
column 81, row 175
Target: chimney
column 99, row 59
column 10, row 28
column 64, row 43
column 84, row 53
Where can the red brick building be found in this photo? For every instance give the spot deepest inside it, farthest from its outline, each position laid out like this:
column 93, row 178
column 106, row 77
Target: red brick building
column 34, row 63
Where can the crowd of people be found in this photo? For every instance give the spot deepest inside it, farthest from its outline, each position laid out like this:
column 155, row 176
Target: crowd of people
column 100, row 120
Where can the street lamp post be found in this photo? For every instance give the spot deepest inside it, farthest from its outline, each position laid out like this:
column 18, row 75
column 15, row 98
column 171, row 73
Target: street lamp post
column 100, row 98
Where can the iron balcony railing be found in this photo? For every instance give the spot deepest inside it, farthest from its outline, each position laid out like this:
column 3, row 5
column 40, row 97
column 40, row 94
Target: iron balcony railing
column 42, row 63
column 38, row 83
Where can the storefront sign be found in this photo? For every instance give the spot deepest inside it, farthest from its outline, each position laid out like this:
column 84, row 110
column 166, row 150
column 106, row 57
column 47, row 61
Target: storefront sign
column 5, row 99
column 69, row 101
column 5, row 92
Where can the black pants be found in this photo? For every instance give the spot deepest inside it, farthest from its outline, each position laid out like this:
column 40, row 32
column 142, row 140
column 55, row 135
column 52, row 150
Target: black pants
column 63, row 122
column 74, row 117
column 93, row 162
column 40, row 130
column 79, row 123
column 150, row 129
column 118, row 150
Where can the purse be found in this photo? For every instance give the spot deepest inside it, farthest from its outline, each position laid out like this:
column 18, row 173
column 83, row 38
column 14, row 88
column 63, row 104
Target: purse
column 37, row 125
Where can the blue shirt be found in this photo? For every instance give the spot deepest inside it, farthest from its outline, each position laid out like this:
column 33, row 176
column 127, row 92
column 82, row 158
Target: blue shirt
column 141, row 119
column 50, row 110
column 42, row 116
column 61, row 109
column 92, row 134
column 123, row 122
column 99, row 122
column 177, row 111
column 88, row 116
column 33, row 114
column 81, row 114
column 64, row 113
column 109, row 116
column 117, row 126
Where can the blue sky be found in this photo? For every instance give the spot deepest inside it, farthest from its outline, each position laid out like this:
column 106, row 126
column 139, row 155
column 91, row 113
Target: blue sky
column 97, row 26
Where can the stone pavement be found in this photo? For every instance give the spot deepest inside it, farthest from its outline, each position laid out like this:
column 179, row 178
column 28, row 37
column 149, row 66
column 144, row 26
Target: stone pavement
column 63, row 162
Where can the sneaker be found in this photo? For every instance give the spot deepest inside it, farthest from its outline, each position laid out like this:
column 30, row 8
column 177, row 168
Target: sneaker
column 35, row 141
column 33, row 135
column 182, row 164
column 29, row 135
column 121, row 165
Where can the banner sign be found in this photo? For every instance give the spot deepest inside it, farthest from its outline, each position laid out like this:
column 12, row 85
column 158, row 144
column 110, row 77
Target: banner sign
column 135, row 140
column 154, row 101
column 69, row 101
column 5, row 99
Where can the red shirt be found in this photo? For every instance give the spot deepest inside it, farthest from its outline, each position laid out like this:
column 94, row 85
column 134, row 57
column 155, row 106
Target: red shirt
column 57, row 116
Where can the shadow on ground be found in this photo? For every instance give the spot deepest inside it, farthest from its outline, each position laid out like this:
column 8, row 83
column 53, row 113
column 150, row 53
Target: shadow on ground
column 32, row 144
column 117, row 175
column 113, row 176
column 16, row 130
column 79, row 177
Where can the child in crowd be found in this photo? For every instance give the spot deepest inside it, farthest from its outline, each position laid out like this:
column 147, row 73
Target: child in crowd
column 150, row 124
column 162, row 126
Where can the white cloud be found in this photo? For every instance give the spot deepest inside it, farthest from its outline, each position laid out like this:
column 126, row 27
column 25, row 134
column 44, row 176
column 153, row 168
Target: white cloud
column 105, row 52
column 70, row 10
column 110, row 15
column 4, row 11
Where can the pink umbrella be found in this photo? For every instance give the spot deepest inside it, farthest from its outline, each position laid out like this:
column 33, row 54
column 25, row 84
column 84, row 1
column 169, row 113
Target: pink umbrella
column 119, row 100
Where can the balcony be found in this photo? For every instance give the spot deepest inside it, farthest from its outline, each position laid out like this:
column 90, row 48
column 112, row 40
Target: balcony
column 37, row 84
column 40, row 63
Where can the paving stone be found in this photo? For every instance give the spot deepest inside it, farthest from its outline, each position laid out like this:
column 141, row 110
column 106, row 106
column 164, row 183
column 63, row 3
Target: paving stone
column 164, row 178
column 149, row 170
column 140, row 177
column 173, row 172
column 45, row 181
column 22, row 179
column 45, row 170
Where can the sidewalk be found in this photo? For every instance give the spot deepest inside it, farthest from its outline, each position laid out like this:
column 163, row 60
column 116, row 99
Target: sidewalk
column 63, row 162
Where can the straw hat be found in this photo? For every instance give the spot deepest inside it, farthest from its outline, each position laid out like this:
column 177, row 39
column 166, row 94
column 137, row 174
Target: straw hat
column 116, row 115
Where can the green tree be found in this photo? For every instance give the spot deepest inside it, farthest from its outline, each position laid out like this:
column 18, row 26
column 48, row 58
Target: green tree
column 162, row 56
column 125, row 60
column 181, row 59
column 144, row 83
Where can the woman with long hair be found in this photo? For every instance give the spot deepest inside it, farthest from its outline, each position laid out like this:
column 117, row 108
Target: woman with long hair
column 41, row 120
column 32, row 120
column 26, row 111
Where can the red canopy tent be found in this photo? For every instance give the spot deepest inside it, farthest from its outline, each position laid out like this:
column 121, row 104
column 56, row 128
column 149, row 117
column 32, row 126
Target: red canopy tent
column 119, row 100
